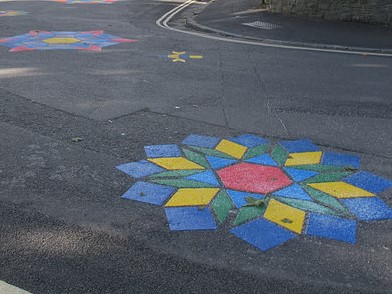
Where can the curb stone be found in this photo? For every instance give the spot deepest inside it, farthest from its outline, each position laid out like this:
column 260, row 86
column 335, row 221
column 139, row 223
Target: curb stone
column 192, row 24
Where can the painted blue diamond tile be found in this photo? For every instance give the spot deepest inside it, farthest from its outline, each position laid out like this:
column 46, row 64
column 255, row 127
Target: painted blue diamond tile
column 332, row 158
column 331, row 227
column 149, row 193
column 369, row 208
column 139, row 169
column 263, row 234
column 190, row 218
column 42, row 40
column 263, row 159
column 219, row 162
column 201, row 141
column 249, row 140
column 205, row 177
column 293, row 191
column 162, row 151
column 235, row 180
column 238, row 197
column 304, row 145
column 369, row 182
column 299, row 175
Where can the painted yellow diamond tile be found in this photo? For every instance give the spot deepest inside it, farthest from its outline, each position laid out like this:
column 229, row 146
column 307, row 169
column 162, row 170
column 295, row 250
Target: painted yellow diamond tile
column 192, row 197
column 12, row 12
column 285, row 215
column 341, row 190
column 317, row 193
column 85, row 1
column 303, row 158
column 231, row 148
column 61, row 40
column 175, row 163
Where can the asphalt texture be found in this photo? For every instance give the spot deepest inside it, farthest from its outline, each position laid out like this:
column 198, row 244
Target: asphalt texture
column 64, row 227
column 230, row 15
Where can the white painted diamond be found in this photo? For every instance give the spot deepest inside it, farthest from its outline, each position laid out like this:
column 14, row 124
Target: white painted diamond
column 262, row 25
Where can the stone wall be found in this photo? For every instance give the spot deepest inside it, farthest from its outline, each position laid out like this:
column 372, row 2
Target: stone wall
column 370, row 11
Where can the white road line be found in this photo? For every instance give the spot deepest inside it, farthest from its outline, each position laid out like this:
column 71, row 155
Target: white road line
column 163, row 23
column 170, row 14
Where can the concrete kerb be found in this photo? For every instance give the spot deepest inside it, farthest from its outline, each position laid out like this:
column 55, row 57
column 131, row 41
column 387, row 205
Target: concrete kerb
column 192, row 24
column 195, row 26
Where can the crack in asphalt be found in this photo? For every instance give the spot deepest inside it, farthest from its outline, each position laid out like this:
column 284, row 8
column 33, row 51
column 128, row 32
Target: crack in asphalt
column 222, row 88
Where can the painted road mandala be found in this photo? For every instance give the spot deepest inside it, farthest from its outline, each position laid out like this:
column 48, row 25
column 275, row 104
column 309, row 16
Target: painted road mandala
column 12, row 13
column 43, row 40
column 267, row 193
column 86, row 1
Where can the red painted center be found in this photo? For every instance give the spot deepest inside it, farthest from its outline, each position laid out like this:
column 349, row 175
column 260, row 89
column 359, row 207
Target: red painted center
column 254, row 178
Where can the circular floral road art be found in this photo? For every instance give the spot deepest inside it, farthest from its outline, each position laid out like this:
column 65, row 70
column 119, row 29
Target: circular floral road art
column 86, row 1
column 42, row 40
column 12, row 12
column 266, row 193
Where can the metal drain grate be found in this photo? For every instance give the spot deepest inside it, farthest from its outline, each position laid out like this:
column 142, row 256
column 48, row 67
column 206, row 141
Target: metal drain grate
column 262, row 25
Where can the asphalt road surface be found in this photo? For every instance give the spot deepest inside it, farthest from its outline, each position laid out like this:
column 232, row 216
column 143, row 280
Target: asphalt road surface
column 64, row 227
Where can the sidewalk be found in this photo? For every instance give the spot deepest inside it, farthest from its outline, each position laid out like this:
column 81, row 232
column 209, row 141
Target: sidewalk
column 229, row 17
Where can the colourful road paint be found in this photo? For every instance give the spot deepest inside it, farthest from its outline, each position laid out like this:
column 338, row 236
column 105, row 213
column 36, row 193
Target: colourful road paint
column 42, row 40
column 12, row 13
column 86, row 1
column 274, row 192
column 255, row 178
column 181, row 56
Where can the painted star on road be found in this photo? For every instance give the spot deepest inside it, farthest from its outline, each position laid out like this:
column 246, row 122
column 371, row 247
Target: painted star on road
column 12, row 12
column 86, row 1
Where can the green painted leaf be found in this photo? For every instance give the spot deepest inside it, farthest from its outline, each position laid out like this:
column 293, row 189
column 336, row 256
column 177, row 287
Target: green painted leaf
column 255, row 151
column 212, row 152
column 325, row 199
column 307, row 205
column 181, row 183
column 287, row 221
column 196, row 157
column 222, row 205
column 279, row 154
column 175, row 173
column 251, row 201
column 247, row 213
column 328, row 177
